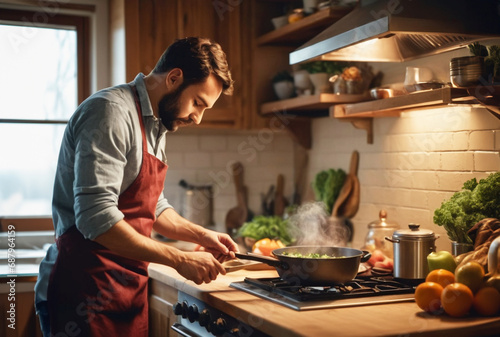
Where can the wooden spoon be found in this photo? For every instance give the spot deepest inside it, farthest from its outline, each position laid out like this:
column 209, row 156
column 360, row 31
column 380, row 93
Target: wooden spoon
column 350, row 207
column 279, row 199
column 347, row 202
column 237, row 215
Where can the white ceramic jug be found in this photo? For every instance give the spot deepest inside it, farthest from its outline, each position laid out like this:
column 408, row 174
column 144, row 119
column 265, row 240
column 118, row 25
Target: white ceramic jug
column 493, row 257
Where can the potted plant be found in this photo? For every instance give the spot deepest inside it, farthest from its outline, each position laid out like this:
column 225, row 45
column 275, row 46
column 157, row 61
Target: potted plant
column 283, row 85
column 320, row 73
column 488, row 59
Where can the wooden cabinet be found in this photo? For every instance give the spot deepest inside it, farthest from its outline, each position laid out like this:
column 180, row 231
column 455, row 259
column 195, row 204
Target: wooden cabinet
column 255, row 51
column 151, row 26
column 22, row 322
column 161, row 313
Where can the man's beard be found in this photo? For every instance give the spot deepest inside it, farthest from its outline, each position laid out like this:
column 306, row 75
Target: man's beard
column 169, row 110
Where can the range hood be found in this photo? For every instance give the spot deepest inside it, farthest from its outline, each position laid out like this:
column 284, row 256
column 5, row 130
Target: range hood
column 401, row 30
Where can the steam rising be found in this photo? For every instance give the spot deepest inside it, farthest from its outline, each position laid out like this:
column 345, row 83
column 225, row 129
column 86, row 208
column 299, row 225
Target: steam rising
column 313, row 226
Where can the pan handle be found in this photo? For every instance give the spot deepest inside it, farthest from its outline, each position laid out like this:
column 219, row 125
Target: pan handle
column 366, row 256
column 264, row 259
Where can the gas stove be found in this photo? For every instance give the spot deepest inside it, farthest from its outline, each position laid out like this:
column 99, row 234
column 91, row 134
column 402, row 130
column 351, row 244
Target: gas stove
column 360, row 291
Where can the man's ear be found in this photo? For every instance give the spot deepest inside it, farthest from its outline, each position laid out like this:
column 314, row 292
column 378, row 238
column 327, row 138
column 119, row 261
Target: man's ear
column 174, row 78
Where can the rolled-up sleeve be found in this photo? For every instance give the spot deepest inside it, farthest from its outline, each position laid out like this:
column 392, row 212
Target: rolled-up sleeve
column 102, row 140
column 162, row 205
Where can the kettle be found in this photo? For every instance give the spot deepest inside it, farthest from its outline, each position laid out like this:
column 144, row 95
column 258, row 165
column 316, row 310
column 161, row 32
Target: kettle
column 377, row 231
column 197, row 203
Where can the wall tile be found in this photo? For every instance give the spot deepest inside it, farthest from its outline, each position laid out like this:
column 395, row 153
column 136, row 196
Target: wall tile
column 487, row 161
column 482, row 140
column 179, row 142
column 197, row 160
column 212, row 143
column 457, row 161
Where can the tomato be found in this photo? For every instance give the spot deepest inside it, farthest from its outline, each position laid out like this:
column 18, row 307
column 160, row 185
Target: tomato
column 266, row 246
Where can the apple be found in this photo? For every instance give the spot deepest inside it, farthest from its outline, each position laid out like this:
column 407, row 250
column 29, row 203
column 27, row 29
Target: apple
column 471, row 274
column 441, row 260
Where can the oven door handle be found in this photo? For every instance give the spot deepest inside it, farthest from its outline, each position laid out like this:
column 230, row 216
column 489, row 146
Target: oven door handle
column 183, row 331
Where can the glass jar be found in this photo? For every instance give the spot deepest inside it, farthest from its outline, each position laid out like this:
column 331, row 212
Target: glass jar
column 377, row 231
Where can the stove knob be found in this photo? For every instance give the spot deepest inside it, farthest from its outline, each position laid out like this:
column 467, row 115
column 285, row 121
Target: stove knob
column 184, row 309
column 233, row 332
column 204, row 317
column 219, row 326
column 193, row 313
column 177, row 308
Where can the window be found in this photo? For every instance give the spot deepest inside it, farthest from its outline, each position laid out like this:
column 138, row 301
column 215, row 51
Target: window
column 44, row 64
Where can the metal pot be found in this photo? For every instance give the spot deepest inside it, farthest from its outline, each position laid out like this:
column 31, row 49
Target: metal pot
column 314, row 271
column 411, row 247
column 197, row 204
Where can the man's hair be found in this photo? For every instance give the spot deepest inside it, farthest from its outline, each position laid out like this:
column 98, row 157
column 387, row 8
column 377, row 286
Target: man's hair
column 197, row 58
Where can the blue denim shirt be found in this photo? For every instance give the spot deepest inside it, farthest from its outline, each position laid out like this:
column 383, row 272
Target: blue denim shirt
column 100, row 157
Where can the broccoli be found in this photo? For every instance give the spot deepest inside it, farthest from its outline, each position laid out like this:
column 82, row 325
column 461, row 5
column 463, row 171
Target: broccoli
column 476, row 201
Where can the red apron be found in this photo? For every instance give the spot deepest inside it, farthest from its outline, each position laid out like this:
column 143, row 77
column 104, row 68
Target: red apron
column 95, row 292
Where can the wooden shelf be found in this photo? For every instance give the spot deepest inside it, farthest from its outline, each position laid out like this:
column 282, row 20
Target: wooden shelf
column 394, row 105
column 361, row 114
column 310, row 103
column 304, row 29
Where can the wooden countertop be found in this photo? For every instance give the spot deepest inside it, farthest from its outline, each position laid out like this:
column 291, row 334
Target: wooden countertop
column 395, row 319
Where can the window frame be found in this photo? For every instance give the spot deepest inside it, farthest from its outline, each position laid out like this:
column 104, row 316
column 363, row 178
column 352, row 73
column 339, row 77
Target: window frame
column 82, row 28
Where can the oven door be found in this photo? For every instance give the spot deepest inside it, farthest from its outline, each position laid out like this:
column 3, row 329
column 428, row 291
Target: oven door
column 198, row 319
column 181, row 330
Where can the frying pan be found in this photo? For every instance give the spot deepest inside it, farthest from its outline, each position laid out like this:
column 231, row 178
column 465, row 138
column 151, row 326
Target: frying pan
column 313, row 271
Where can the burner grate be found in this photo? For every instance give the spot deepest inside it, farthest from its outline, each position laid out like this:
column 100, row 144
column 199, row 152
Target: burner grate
column 359, row 287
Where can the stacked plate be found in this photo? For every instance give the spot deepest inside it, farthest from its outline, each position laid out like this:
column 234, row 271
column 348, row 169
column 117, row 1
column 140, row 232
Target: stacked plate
column 466, row 71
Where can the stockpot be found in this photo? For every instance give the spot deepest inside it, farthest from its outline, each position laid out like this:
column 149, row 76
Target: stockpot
column 411, row 247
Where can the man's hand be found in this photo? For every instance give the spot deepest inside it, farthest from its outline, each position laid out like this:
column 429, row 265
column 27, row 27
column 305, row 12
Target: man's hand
column 220, row 245
column 200, row 267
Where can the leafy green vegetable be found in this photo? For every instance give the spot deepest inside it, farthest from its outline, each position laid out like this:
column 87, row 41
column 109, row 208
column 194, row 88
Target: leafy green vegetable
column 327, row 185
column 465, row 208
column 313, row 256
column 267, row 227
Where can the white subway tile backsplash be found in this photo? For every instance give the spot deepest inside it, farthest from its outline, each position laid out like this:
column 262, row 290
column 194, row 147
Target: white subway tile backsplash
column 417, row 161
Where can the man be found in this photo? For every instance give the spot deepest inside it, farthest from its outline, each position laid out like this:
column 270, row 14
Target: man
column 108, row 196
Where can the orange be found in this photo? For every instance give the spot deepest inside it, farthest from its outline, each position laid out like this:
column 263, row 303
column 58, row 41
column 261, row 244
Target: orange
column 487, row 301
column 457, row 299
column 428, row 296
column 441, row 276
column 266, row 246
column 471, row 274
